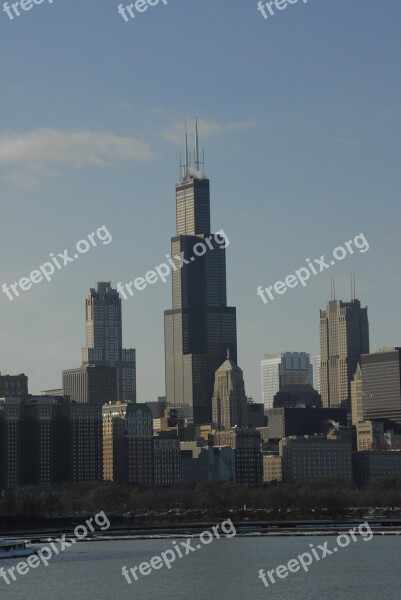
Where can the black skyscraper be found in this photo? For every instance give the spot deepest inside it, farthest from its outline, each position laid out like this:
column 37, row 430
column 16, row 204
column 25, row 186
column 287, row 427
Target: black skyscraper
column 200, row 327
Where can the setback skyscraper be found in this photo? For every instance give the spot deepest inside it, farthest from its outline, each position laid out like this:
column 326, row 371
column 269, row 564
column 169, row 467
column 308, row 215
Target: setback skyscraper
column 344, row 336
column 200, row 326
column 104, row 339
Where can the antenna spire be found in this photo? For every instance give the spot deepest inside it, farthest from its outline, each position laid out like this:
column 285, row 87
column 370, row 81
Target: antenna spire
column 196, row 145
column 186, row 150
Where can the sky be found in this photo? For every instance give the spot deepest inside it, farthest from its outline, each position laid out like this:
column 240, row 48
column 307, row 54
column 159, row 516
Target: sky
column 299, row 115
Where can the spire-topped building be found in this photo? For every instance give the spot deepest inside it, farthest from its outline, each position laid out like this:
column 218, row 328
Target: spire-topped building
column 230, row 407
column 200, row 326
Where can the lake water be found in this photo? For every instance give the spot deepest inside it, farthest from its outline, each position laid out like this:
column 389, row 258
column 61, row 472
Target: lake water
column 226, row 569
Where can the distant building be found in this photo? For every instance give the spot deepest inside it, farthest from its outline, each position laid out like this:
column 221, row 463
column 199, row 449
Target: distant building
column 255, row 414
column 344, row 336
column 297, row 396
column 248, row 455
column 104, row 339
column 158, row 408
column 169, row 422
column 91, row 384
column 378, row 435
column 316, row 374
column 79, row 442
column 372, row 465
column 167, row 459
column 128, row 444
column 46, row 440
column 313, row 457
column 229, row 403
column 377, row 388
column 272, row 468
column 15, row 386
column 285, row 422
column 279, row 370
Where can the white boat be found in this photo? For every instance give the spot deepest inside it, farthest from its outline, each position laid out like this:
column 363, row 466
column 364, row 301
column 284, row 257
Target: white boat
column 16, row 548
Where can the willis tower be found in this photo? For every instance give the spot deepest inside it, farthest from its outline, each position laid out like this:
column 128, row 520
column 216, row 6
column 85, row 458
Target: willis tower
column 200, row 327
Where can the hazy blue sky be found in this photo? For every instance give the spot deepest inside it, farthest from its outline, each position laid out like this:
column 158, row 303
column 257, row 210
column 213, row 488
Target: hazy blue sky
column 300, row 119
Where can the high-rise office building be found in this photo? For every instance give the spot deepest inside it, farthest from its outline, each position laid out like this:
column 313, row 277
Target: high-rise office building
column 104, row 339
column 344, row 336
column 90, row 384
column 229, row 401
column 316, row 374
column 48, row 440
column 285, row 368
column 200, row 326
column 377, row 386
column 128, row 444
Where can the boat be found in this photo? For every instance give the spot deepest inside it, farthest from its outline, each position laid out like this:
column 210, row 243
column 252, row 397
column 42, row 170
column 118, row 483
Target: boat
column 16, row 548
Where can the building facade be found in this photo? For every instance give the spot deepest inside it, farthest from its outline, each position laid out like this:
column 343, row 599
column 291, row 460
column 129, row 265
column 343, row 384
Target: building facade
column 285, row 422
column 91, row 384
column 46, row 441
column 344, row 336
column 128, row 444
column 104, row 345
column 380, row 396
column 15, row 386
column 285, row 368
column 229, row 402
column 314, row 457
column 200, row 326
column 167, row 459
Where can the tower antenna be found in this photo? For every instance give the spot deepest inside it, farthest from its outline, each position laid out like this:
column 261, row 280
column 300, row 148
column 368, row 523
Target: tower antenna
column 184, row 167
column 186, row 150
column 196, row 145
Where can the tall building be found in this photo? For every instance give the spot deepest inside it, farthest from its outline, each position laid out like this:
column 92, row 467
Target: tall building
column 200, row 326
column 79, row 442
column 316, row 375
column 229, row 401
column 90, row 384
column 248, row 455
column 285, row 368
column 104, row 339
column 167, row 459
column 344, row 336
column 377, row 387
column 46, row 440
column 128, row 444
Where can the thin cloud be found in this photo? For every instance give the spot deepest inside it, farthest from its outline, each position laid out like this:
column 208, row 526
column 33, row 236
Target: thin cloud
column 36, row 150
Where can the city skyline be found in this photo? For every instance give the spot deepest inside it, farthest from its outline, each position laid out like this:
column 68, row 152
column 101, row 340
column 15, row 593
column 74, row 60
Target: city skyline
column 108, row 154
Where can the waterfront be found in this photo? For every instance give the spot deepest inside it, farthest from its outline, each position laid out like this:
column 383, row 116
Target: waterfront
column 227, row 568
